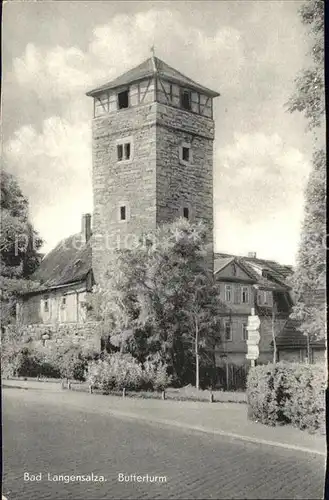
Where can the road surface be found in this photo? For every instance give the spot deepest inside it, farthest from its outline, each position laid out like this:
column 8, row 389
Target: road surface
column 60, row 451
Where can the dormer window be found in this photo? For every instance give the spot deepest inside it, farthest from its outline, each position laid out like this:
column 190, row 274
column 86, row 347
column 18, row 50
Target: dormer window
column 123, row 99
column 186, row 100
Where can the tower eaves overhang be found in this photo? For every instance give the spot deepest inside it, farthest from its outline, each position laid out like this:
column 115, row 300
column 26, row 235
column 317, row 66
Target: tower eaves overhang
column 152, row 67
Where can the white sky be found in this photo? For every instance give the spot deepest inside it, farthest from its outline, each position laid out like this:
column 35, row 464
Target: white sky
column 250, row 51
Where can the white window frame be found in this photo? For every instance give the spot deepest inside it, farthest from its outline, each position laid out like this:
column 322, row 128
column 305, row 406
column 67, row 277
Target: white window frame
column 122, row 142
column 188, row 146
column 245, row 289
column 228, row 288
column 228, row 322
column 244, row 329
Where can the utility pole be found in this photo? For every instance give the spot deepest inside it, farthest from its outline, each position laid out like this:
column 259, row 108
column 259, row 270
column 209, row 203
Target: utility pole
column 197, row 376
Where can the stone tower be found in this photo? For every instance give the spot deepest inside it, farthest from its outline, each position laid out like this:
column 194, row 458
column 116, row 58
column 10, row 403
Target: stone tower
column 153, row 134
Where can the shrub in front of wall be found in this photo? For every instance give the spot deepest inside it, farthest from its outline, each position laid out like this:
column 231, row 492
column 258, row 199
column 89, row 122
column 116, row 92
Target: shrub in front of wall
column 115, row 372
column 70, row 359
column 287, row 393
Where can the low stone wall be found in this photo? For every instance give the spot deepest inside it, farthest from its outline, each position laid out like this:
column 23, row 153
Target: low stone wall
column 87, row 333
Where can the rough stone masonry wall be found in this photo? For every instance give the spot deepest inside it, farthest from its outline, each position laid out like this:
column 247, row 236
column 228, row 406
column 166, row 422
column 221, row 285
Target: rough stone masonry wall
column 131, row 183
column 180, row 184
column 88, row 334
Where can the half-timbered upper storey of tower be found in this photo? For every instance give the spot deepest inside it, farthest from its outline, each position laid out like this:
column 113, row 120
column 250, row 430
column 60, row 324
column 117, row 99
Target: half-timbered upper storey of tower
column 151, row 81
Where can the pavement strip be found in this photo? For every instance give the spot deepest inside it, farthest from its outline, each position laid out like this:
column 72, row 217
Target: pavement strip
column 206, row 430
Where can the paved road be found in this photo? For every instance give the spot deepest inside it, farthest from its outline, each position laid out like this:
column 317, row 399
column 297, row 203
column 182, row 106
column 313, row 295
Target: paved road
column 63, row 439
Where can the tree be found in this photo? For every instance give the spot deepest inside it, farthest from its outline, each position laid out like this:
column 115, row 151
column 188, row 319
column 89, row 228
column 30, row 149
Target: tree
column 19, row 244
column 203, row 312
column 309, row 99
column 156, row 292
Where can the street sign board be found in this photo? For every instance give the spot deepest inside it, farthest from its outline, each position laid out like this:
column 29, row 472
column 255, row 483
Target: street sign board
column 253, row 352
column 253, row 337
column 253, row 323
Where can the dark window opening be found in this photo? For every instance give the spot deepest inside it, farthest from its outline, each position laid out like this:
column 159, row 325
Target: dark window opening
column 170, row 93
column 120, row 152
column 185, row 212
column 46, row 305
column 186, row 100
column 127, row 151
column 123, row 99
column 123, row 213
column 186, row 154
column 228, row 331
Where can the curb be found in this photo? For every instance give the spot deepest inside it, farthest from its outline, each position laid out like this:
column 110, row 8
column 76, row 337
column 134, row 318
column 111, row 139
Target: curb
column 205, row 430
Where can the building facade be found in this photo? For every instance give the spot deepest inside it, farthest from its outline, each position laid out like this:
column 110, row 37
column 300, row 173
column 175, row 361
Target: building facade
column 250, row 285
column 64, row 279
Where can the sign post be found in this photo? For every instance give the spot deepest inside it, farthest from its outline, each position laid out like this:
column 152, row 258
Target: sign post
column 253, row 337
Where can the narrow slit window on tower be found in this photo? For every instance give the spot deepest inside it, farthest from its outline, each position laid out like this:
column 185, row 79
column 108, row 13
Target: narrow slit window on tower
column 123, row 99
column 185, row 154
column 123, row 213
column 120, row 152
column 127, row 150
column 185, row 212
column 186, row 99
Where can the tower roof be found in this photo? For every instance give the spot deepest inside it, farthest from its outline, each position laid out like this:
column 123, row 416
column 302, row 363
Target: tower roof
column 153, row 66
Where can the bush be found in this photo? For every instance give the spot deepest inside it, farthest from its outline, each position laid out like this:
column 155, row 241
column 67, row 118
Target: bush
column 155, row 374
column 287, row 394
column 25, row 359
column 116, row 371
column 68, row 358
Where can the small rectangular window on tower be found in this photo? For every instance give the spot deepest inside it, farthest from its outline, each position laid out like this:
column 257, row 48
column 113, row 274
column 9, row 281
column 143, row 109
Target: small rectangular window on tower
column 127, row 150
column 186, row 154
column 123, row 213
column 186, row 100
column 185, row 213
column 123, row 99
column 120, row 152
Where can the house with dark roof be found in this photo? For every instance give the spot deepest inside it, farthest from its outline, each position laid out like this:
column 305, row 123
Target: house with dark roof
column 293, row 345
column 64, row 279
column 250, row 285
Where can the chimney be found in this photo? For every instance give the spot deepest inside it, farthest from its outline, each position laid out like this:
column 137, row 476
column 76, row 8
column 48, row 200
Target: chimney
column 252, row 255
column 86, row 227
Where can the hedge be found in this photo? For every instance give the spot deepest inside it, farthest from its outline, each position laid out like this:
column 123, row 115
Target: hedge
column 64, row 360
column 117, row 371
column 288, row 393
